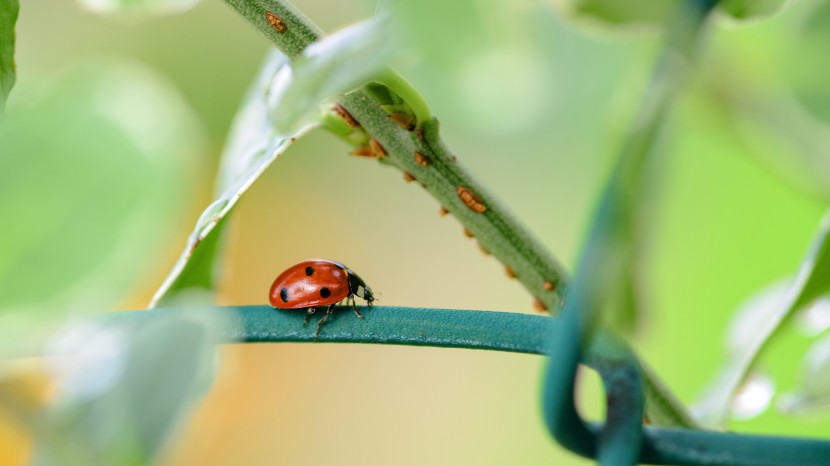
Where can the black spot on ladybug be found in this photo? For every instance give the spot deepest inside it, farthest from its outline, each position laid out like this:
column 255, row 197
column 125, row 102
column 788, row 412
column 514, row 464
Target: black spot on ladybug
column 309, row 270
column 284, row 295
column 325, row 292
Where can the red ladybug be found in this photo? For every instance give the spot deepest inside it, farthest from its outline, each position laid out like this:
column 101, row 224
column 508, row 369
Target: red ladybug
column 318, row 282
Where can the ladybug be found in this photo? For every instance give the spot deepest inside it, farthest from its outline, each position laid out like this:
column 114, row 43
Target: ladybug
column 318, row 282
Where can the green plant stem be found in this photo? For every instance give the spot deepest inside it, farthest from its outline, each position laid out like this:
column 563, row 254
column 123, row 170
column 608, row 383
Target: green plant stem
column 495, row 229
column 400, row 86
column 298, row 32
column 501, row 331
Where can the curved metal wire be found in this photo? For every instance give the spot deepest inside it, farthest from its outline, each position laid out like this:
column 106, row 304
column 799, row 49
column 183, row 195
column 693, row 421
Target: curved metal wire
column 521, row 333
column 604, row 262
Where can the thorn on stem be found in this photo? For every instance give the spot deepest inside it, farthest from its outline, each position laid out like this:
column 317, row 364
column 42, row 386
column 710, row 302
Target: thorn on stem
column 345, row 115
column 275, row 21
column 405, row 120
column 377, row 149
column 363, row 151
column 422, row 159
column 469, row 198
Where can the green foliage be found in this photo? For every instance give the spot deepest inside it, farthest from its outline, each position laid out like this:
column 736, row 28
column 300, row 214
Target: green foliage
column 331, row 66
column 492, row 59
column 809, row 76
column 90, row 188
column 116, row 170
column 135, row 8
column 123, row 386
column 253, row 145
column 105, row 187
column 813, row 392
column 8, row 18
column 811, row 282
column 284, row 103
column 659, row 12
column 751, row 9
column 626, row 13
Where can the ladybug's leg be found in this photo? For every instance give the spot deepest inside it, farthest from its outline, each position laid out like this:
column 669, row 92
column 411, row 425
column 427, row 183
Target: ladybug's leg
column 308, row 314
column 354, row 306
column 323, row 320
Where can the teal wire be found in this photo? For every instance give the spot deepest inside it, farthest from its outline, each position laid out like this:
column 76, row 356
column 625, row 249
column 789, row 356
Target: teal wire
column 601, row 265
column 500, row 331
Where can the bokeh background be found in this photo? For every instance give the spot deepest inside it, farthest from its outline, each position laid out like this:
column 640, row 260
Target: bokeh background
column 536, row 105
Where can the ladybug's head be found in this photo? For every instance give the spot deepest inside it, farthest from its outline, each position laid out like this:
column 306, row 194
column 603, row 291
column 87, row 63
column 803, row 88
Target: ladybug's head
column 358, row 287
column 368, row 296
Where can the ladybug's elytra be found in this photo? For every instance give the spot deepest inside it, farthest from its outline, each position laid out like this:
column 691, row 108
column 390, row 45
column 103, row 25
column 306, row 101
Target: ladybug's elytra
column 318, row 282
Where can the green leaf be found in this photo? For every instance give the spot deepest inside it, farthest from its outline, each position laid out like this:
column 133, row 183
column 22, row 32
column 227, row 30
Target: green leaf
column 334, row 65
column 138, row 7
column 812, row 281
column 813, row 391
column 89, row 186
column 252, row 146
column 492, row 59
column 283, row 104
column 637, row 12
column 624, row 315
column 8, row 18
column 123, row 385
column 804, row 65
column 659, row 12
column 752, row 9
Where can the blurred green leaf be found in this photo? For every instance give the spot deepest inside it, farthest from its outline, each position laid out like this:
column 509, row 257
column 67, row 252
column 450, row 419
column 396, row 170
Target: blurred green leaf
column 658, row 12
column 123, row 385
column 8, row 18
column 637, row 12
column 284, row 103
column 334, row 65
column 786, row 137
column 813, row 392
column 769, row 313
column 751, row 9
column 253, row 144
column 92, row 179
column 813, row 278
column 496, row 61
column 138, row 7
column 624, row 315
column 805, row 67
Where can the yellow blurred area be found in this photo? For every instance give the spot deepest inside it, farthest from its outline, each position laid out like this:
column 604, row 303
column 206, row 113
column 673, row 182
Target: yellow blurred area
column 324, row 404
column 14, row 445
column 724, row 226
column 27, row 386
column 351, row 404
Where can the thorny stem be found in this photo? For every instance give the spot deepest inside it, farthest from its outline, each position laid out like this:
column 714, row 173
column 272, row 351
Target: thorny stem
column 418, row 151
column 423, row 157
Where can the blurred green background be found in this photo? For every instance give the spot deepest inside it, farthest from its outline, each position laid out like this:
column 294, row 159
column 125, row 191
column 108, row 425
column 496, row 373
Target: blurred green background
column 536, row 107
